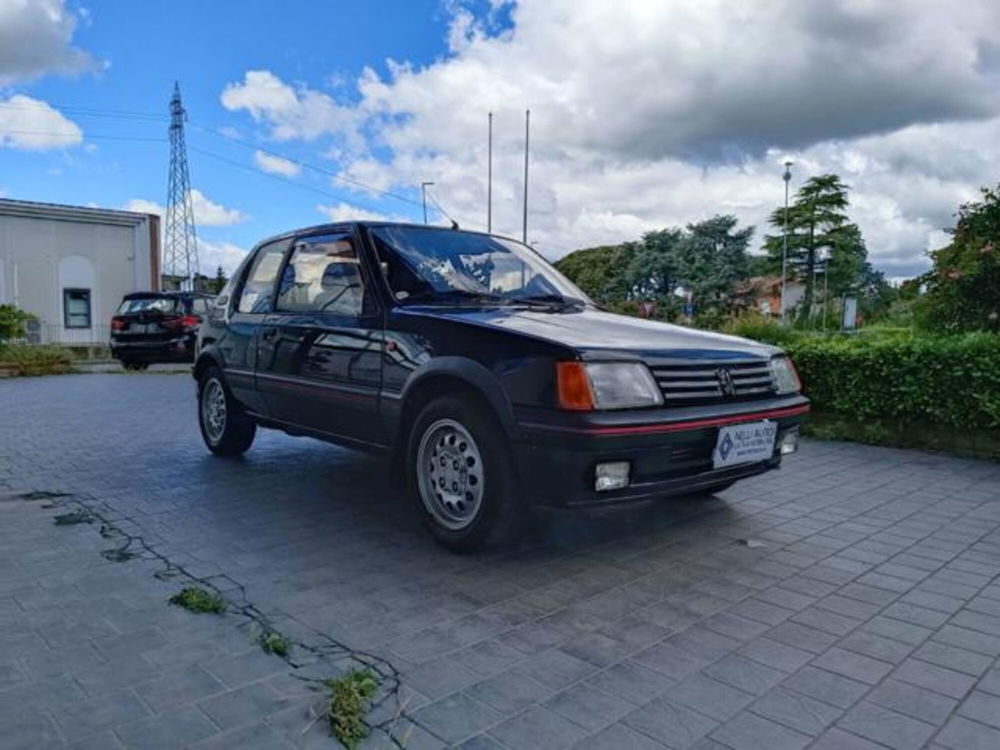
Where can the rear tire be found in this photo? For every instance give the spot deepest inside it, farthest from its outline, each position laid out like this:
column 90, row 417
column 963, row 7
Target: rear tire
column 225, row 426
column 460, row 468
column 132, row 366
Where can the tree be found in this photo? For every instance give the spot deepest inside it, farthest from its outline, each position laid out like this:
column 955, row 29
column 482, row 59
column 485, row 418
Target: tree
column 711, row 259
column 652, row 271
column 814, row 221
column 599, row 271
column 706, row 258
column 220, row 280
column 963, row 288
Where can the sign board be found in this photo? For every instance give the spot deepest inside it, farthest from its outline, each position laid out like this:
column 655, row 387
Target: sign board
column 850, row 321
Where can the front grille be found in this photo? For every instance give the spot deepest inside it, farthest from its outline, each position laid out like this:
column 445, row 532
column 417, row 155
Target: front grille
column 702, row 382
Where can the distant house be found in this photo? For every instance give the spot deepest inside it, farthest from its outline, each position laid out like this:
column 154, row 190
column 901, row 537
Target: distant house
column 763, row 294
column 70, row 265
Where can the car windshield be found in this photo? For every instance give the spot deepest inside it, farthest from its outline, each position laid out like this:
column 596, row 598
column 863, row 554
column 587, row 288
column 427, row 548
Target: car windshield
column 148, row 304
column 452, row 267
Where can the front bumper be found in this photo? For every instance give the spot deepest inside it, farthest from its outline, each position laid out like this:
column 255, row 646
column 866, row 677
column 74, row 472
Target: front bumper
column 669, row 450
column 176, row 349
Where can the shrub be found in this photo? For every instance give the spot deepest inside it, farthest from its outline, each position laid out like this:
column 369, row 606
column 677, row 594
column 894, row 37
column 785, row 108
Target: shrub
column 37, row 359
column 948, row 380
column 759, row 328
column 12, row 320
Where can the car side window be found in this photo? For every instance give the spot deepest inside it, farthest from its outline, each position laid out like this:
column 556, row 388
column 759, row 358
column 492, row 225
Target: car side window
column 259, row 284
column 199, row 305
column 323, row 275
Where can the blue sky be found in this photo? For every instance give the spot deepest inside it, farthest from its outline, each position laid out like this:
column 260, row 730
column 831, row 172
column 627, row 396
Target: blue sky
column 645, row 114
column 206, row 45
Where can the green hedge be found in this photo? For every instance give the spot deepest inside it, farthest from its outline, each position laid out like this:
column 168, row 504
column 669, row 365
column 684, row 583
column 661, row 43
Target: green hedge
column 34, row 359
column 948, row 380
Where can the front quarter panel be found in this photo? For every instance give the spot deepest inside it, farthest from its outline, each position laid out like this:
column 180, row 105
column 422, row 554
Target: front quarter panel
column 510, row 369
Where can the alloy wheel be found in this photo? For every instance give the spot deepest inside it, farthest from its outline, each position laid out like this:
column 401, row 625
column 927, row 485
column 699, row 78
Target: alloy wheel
column 213, row 410
column 450, row 474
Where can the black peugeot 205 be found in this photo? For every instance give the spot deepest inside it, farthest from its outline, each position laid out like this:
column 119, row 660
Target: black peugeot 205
column 491, row 381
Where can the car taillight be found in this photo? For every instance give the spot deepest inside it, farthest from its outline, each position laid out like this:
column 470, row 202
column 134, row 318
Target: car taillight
column 182, row 323
column 118, row 324
column 573, row 387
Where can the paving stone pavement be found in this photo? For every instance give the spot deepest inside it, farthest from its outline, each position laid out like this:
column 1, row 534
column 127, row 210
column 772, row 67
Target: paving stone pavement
column 864, row 614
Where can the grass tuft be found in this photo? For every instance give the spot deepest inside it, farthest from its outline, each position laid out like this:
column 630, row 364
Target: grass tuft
column 68, row 519
column 272, row 642
column 350, row 697
column 197, row 599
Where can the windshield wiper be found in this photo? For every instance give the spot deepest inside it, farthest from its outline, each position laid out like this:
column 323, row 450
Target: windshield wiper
column 548, row 300
column 448, row 295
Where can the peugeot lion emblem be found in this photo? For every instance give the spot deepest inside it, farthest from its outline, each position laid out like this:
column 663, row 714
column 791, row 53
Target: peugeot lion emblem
column 726, row 384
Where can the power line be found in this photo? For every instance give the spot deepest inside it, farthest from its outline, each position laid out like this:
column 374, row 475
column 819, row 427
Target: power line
column 82, row 136
column 308, row 165
column 87, row 111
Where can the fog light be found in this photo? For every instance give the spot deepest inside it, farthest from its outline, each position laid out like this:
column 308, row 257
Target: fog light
column 790, row 441
column 611, row 476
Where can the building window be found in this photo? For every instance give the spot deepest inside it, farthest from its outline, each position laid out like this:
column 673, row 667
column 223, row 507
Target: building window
column 76, row 308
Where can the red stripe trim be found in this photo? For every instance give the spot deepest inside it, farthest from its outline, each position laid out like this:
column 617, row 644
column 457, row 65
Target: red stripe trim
column 655, row 429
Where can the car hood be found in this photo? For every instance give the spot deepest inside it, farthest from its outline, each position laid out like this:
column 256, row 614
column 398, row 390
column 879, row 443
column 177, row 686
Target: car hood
column 594, row 333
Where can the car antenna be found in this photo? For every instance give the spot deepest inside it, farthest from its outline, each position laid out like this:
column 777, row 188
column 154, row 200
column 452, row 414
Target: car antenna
column 454, row 224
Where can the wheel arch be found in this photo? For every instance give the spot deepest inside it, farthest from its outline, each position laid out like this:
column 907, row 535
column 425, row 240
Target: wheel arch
column 206, row 358
column 451, row 375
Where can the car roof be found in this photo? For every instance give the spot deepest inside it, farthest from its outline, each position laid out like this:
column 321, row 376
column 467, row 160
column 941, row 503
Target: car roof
column 167, row 293
column 342, row 225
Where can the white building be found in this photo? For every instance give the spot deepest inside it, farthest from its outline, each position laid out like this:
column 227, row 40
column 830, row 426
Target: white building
column 70, row 265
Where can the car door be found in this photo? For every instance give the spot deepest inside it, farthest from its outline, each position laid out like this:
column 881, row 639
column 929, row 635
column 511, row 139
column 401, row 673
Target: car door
column 320, row 350
column 253, row 302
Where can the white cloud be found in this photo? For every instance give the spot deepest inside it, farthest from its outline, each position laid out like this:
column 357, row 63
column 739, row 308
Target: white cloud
column 275, row 164
column 651, row 114
column 144, row 206
column 36, row 39
column 348, row 212
column 288, row 112
column 33, row 125
column 210, row 214
column 211, row 255
column 207, row 213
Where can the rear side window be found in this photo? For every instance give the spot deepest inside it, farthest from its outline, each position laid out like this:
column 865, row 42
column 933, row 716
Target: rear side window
column 199, row 305
column 149, row 304
column 259, row 284
column 323, row 275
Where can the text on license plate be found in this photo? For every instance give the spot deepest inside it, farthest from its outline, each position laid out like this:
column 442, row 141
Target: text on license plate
column 744, row 443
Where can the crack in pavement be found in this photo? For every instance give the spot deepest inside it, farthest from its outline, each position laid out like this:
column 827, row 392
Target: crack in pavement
column 322, row 650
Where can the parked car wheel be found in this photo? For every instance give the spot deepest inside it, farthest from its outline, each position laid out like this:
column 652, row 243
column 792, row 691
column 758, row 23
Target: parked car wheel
column 135, row 366
column 461, row 470
column 225, row 426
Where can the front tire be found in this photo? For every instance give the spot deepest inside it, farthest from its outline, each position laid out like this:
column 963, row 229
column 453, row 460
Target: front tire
column 461, row 470
column 225, row 426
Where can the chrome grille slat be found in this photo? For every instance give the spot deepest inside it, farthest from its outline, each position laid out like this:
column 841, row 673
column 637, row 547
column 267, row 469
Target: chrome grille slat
column 697, row 382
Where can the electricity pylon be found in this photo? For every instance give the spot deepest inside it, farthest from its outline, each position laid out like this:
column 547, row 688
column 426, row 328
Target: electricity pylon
column 180, row 246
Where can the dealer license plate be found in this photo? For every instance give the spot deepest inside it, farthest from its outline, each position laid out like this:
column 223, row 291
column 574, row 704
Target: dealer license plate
column 744, row 444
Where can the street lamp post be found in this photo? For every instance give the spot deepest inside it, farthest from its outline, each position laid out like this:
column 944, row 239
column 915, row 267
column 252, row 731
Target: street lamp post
column 423, row 196
column 787, row 176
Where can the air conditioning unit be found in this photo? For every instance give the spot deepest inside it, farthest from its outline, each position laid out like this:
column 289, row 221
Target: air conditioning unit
column 33, row 331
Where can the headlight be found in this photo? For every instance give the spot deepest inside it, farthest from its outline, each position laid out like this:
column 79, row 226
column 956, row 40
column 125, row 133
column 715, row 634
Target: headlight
column 606, row 385
column 786, row 380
